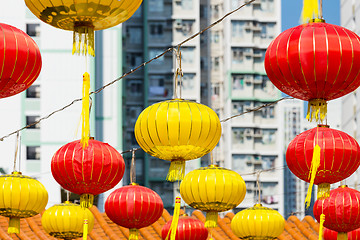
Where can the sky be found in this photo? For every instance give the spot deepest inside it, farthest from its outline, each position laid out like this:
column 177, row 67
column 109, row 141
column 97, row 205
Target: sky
column 291, row 12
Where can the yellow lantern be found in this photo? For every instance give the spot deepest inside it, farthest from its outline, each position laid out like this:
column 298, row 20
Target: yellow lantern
column 177, row 130
column 66, row 221
column 213, row 189
column 20, row 197
column 83, row 17
column 258, row 222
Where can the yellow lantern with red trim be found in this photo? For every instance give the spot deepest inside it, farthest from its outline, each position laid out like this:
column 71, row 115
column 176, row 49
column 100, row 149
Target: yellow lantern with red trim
column 20, row 197
column 213, row 189
column 177, row 130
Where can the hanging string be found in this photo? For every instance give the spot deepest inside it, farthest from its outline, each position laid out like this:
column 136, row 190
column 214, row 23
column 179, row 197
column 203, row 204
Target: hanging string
column 258, row 186
column 178, row 77
column 16, row 150
column 321, row 10
column 133, row 167
column 67, row 195
column 211, row 158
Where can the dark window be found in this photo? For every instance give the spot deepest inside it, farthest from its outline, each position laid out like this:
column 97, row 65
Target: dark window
column 33, row 91
column 33, row 153
column 33, row 29
column 31, row 120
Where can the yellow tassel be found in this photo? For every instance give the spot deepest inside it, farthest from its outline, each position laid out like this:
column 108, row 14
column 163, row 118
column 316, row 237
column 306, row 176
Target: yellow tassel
column 317, row 109
column 321, row 227
column 175, row 220
column 176, row 171
column 323, row 190
column 133, row 234
column 315, row 163
column 83, row 39
column 86, row 200
column 85, row 229
column 85, row 130
column 310, row 10
column 211, row 219
column 342, row 236
column 14, row 225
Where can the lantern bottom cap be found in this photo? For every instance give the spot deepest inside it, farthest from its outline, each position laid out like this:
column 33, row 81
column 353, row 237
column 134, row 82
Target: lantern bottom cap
column 211, row 219
column 317, row 109
column 86, row 200
column 176, row 171
column 342, row 236
column 323, row 190
column 133, row 234
column 14, row 225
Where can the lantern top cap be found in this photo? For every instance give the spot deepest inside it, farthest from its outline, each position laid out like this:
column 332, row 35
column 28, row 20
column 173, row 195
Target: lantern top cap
column 343, row 186
column 258, row 205
column 316, row 20
column 16, row 173
column 134, row 184
column 323, row 126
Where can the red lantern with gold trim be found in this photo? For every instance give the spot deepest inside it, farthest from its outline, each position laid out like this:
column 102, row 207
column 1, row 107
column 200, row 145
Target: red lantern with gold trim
column 20, row 61
column 188, row 228
column 341, row 210
column 323, row 156
column 315, row 62
column 134, row 207
column 332, row 235
column 87, row 171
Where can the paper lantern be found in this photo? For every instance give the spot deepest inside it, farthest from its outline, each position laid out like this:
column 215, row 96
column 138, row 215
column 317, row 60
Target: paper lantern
column 83, row 17
column 341, row 210
column 134, row 207
column 258, row 222
column 20, row 61
column 332, row 235
column 338, row 157
column 213, row 189
column 315, row 62
column 87, row 171
column 66, row 220
column 20, row 197
column 188, row 228
column 177, row 130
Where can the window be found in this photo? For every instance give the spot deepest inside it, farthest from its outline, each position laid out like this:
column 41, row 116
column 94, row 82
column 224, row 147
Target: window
column 156, row 5
column 156, row 86
column 133, row 59
column 185, row 4
column 268, row 162
column 188, row 55
column 237, row 55
column 156, row 30
column 134, row 87
column 238, row 82
column 33, row 91
column 215, row 36
column 239, row 162
column 237, row 29
column 134, row 34
column 268, row 112
column 33, row 29
column 267, row 5
column 269, row 136
column 188, row 81
column 33, row 153
column 32, row 119
column 238, row 135
column 215, row 63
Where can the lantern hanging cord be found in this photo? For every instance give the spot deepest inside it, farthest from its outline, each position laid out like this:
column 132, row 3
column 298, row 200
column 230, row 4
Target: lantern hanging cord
column 133, row 167
column 178, row 74
column 16, row 150
column 321, row 10
column 258, row 186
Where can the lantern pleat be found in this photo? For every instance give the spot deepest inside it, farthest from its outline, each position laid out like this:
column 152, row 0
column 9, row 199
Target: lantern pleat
column 20, row 197
column 20, row 61
column 332, row 235
column 90, row 171
column 213, row 189
column 188, row 229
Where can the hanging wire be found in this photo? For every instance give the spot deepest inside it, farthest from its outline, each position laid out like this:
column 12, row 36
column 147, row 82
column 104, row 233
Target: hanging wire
column 16, row 150
column 321, row 10
column 258, row 186
column 133, row 167
column 67, row 195
column 132, row 70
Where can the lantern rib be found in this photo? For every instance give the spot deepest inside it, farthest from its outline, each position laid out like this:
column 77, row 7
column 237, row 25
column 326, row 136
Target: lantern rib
column 301, row 67
column 357, row 75
column 341, row 57
column 27, row 59
column 2, row 67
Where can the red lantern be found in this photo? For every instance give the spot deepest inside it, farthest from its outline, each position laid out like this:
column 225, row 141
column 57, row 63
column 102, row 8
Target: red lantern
column 339, row 157
column 134, row 207
column 20, row 61
column 188, row 228
column 87, row 171
column 332, row 235
column 316, row 62
column 341, row 210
